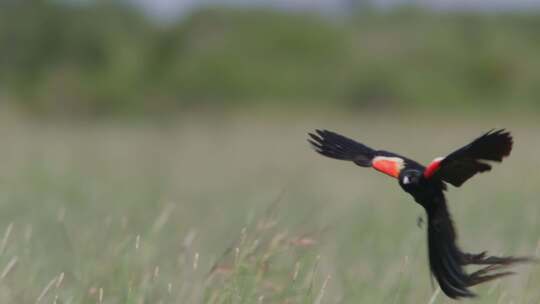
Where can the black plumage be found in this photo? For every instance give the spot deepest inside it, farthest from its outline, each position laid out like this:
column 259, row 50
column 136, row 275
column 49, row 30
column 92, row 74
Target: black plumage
column 427, row 185
column 462, row 164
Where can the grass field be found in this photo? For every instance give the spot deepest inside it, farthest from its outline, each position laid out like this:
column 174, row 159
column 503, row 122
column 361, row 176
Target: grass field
column 240, row 210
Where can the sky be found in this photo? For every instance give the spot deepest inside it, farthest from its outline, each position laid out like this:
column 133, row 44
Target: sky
column 168, row 8
column 172, row 8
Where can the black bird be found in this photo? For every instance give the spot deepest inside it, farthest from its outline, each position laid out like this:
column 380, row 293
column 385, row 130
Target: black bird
column 427, row 186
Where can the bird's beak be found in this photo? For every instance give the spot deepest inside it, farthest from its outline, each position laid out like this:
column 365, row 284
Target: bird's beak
column 406, row 180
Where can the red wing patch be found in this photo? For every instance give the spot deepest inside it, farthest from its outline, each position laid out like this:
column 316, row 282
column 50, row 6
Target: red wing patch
column 388, row 165
column 433, row 167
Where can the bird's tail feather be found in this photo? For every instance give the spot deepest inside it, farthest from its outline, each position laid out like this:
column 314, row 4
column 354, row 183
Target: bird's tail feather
column 483, row 259
column 447, row 261
column 494, row 265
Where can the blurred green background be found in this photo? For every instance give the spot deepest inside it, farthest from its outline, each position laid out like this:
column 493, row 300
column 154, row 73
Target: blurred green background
column 164, row 160
column 105, row 58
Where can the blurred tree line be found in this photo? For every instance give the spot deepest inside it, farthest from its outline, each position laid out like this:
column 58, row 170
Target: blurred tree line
column 99, row 58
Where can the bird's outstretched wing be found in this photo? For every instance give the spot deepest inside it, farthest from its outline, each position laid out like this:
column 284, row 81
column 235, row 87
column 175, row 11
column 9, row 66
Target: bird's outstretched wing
column 447, row 261
column 464, row 163
column 337, row 146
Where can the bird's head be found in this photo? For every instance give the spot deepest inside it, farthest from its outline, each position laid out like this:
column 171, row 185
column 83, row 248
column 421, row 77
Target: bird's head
column 409, row 179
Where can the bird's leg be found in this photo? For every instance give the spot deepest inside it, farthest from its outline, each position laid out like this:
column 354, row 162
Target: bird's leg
column 420, row 222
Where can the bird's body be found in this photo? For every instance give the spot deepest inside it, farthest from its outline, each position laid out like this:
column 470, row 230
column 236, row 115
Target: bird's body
column 427, row 185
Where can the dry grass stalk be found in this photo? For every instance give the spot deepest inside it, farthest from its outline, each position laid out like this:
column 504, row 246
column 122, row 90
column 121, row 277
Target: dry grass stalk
column 100, row 296
column 322, row 291
column 137, row 242
column 196, row 261
column 46, row 290
column 435, row 295
column 9, row 267
column 6, row 238
column 60, row 280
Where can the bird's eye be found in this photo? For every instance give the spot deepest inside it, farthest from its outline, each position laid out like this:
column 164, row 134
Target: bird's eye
column 406, row 180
